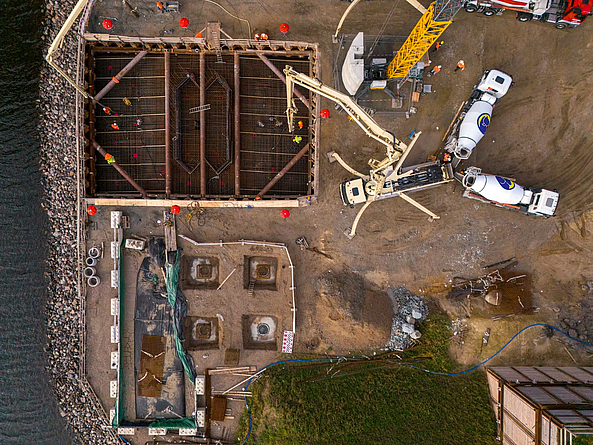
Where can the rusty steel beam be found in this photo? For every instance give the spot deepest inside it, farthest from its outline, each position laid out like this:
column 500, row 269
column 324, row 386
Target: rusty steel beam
column 202, row 125
column 237, row 129
column 115, row 80
column 121, row 171
column 167, row 126
column 282, row 77
column 282, row 172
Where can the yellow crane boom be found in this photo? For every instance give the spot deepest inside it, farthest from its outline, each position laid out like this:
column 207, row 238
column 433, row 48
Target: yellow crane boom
column 429, row 28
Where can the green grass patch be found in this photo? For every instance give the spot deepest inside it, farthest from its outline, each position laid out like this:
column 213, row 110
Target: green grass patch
column 396, row 405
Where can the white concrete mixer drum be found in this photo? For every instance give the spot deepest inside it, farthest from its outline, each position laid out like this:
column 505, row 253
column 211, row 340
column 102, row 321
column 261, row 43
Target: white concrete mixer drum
column 472, row 128
column 496, row 188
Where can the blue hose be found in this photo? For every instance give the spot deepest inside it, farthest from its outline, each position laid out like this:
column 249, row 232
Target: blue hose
column 467, row 371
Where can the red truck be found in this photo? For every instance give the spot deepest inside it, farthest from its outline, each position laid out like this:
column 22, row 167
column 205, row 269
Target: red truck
column 561, row 13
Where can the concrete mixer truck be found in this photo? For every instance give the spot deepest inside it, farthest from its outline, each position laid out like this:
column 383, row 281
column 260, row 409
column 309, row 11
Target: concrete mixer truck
column 506, row 193
column 475, row 115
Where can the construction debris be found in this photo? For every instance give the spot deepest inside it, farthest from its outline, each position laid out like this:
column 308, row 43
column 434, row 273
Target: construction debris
column 408, row 309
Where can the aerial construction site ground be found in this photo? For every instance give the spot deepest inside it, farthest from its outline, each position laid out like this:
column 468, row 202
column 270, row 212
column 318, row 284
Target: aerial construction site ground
column 540, row 135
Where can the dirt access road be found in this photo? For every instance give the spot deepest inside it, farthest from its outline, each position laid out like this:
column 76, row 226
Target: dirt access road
column 539, row 135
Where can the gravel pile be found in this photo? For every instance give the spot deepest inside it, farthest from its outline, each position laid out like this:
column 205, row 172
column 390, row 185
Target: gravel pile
column 408, row 309
column 58, row 163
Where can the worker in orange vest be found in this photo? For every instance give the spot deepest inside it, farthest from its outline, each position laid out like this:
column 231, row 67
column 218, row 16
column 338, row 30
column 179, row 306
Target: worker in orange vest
column 437, row 46
column 300, row 124
column 107, row 110
column 256, row 36
column 160, row 6
column 115, row 126
column 435, row 70
column 264, row 36
column 460, row 66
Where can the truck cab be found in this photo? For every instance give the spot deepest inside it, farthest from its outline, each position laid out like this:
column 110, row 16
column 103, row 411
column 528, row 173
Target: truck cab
column 352, row 192
column 543, row 202
column 495, row 84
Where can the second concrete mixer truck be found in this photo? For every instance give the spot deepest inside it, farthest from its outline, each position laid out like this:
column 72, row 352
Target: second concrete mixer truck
column 475, row 116
column 506, row 193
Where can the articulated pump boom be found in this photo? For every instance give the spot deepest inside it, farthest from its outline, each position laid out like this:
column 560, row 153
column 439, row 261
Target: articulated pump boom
column 397, row 151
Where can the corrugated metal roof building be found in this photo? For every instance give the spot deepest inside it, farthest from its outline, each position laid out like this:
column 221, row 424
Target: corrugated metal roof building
column 541, row 405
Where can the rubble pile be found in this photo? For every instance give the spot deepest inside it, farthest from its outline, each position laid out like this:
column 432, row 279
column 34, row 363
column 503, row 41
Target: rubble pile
column 58, row 163
column 408, row 309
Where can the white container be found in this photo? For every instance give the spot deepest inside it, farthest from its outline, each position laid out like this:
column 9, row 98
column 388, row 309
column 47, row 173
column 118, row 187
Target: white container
column 115, row 278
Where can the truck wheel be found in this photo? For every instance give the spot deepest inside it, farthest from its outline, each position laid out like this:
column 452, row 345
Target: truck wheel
column 560, row 25
column 522, row 17
column 488, row 12
column 470, row 8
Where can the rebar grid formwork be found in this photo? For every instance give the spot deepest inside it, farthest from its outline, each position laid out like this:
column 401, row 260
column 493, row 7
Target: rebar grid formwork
column 138, row 142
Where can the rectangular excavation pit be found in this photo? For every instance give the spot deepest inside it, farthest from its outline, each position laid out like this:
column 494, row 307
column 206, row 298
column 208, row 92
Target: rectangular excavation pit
column 260, row 273
column 222, row 134
column 199, row 272
column 259, row 332
column 201, row 333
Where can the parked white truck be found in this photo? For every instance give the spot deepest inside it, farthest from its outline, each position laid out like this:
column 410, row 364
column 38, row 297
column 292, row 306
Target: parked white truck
column 506, row 193
column 475, row 116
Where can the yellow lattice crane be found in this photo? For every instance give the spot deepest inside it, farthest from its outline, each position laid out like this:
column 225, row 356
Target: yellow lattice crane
column 426, row 32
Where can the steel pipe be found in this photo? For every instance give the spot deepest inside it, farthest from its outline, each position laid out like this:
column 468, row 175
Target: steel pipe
column 121, row 171
column 282, row 172
column 167, row 125
column 237, row 129
column 107, row 88
column 202, row 125
column 282, row 77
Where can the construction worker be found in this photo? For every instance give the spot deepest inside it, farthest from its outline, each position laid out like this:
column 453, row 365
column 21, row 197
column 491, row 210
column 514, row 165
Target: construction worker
column 437, row 46
column 435, row 70
column 297, row 139
column 115, row 126
column 264, row 36
column 447, row 157
column 300, row 124
column 107, row 110
column 460, row 66
column 160, row 6
column 256, row 36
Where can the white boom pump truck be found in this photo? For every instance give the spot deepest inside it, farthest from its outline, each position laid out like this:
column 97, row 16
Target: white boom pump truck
column 476, row 114
column 397, row 151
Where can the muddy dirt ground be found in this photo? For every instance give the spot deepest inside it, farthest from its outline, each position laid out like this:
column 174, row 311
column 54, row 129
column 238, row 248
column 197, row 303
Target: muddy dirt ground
column 540, row 135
